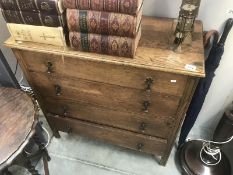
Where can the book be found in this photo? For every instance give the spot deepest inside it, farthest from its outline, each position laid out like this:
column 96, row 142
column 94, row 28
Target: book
column 119, row 6
column 47, row 6
column 104, row 44
column 32, row 18
column 37, row 34
column 106, row 23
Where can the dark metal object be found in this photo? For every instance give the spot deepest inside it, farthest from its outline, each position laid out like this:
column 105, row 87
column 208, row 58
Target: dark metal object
column 50, row 67
column 69, row 130
column 211, row 65
column 191, row 164
column 65, row 111
column 142, row 127
column 140, row 146
column 57, row 90
column 185, row 26
column 146, row 105
column 7, row 78
column 149, row 82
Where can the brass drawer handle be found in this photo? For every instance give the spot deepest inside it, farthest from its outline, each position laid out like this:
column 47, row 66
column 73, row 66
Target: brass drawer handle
column 57, row 90
column 149, row 82
column 142, row 127
column 69, row 130
column 65, row 111
column 140, row 146
column 146, row 105
column 49, row 67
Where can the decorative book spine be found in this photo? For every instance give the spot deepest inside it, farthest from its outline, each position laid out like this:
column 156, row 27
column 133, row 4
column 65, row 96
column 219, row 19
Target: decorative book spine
column 118, row 6
column 47, row 6
column 31, row 18
column 105, row 23
column 104, row 44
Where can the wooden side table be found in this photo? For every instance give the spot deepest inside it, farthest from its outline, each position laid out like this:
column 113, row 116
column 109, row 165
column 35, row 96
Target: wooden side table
column 19, row 128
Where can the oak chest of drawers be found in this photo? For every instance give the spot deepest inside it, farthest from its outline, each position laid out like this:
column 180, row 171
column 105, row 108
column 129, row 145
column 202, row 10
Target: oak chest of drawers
column 135, row 103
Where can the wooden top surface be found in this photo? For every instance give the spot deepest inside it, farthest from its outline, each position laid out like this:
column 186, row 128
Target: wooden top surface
column 153, row 52
column 16, row 121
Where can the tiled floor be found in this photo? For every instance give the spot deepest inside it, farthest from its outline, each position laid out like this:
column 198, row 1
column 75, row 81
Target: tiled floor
column 75, row 155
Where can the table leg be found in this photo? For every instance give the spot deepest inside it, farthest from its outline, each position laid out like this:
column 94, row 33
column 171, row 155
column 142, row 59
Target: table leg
column 31, row 168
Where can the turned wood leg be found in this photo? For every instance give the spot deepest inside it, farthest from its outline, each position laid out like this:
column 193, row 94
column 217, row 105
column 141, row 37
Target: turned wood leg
column 31, row 168
column 42, row 147
column 43, row 151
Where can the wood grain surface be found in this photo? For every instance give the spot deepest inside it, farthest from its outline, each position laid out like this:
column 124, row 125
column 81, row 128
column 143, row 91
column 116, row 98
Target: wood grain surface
column 120, row 137
column 105, row 95
column 16, row 120
column 126, row 76
column 153, row 52
column 140, row 123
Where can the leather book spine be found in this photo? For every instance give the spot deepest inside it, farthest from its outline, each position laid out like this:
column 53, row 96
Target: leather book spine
column 9, row 5
column 31, row 18
column 104, row 44
column 12, row 16
column 118, row 6
column 51, row 6
column 105, row 23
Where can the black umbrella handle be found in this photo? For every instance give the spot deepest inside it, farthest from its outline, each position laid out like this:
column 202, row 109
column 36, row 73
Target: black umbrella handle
column 226, row 31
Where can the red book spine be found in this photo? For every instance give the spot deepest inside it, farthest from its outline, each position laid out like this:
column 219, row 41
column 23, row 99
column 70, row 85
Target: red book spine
column 104, row 44
column 106, row 23
column 118, row 6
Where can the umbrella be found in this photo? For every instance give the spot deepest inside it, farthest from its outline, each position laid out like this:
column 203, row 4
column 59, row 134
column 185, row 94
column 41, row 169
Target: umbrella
column 203, row 86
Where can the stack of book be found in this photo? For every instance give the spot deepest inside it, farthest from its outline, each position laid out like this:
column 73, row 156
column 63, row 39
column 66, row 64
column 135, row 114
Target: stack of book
column 110, row 27
column 34, row 20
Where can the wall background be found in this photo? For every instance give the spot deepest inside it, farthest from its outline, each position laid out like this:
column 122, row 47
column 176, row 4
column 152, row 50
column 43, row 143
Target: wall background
column 213, row 13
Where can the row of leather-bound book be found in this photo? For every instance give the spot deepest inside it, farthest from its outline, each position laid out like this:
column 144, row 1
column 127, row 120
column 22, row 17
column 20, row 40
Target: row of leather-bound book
column 110, row 27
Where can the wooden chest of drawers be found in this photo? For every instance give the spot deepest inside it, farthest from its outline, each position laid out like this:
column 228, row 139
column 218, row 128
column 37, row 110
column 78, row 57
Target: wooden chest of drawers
column 134, row 103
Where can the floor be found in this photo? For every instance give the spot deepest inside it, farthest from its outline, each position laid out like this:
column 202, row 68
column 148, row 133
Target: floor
column 76, row 155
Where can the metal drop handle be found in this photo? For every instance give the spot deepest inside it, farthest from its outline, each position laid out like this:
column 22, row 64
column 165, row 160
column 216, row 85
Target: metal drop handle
column 69, row 130
column 65, row 111
column 142, row 127
column 149, row 82
column 49, row 67
column 140, row 146
column 57, row 90
column 146, row 105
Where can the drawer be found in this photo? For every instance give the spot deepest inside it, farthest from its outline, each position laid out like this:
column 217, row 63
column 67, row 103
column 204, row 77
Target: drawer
column 126, row 76
column 105, row 95
column 116, row 136
column 149, row 125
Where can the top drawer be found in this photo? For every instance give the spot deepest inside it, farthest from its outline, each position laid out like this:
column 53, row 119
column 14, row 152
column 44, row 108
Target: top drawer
column 122, row 75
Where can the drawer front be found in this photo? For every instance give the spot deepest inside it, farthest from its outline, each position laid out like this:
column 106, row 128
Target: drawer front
column 115, row 136
column 105, row 95
column 122, row 75
column 150, row 125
